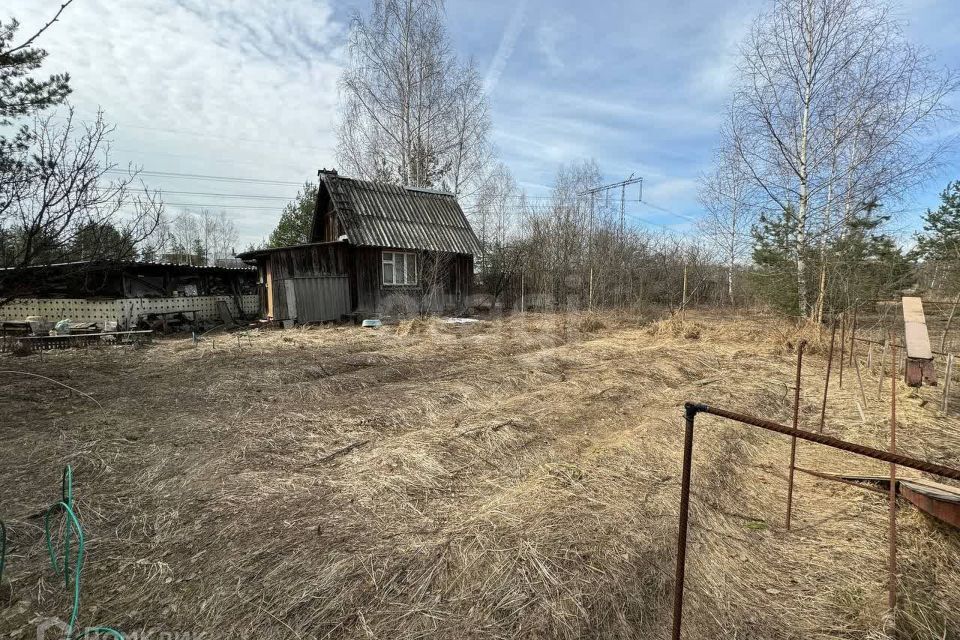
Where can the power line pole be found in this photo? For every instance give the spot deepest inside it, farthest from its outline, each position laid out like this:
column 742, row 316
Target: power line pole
column 590, row 251
column 616, row 185
column 621, row 253
column 621, row 249
column 623, row 200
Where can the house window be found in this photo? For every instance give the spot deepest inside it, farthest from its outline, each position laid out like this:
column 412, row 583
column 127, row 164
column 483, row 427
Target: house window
column 399, row 268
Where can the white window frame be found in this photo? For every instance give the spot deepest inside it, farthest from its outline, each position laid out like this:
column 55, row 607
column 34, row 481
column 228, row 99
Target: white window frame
column 393, row 258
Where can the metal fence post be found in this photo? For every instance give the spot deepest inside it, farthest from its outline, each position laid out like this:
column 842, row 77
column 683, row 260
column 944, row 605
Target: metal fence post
column 690, row 412
column 793, row 440
column 843, row 345
column 892, row 595
column 826, row 384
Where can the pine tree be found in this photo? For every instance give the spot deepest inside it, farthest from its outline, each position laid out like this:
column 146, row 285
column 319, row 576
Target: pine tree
column 940, row 239
column 776, row 267
column 872, row 263
column 21, row 92
column 296, row 219
column 99, row 239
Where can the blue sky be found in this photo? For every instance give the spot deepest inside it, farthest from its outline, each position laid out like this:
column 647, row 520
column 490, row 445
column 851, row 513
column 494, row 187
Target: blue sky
column 245, row 88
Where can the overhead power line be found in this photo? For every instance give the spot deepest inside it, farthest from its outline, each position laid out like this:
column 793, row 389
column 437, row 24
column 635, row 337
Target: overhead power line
column 196, row 176
column 243, row 196
column 207, row 205
column 199, row 134
column 215, row 206
column 668, row 211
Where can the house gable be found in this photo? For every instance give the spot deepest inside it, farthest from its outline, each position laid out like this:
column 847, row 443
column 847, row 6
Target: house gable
column 380, row 215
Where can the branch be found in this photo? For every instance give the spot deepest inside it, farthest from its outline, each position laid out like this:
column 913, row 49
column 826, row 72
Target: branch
column 38, row 33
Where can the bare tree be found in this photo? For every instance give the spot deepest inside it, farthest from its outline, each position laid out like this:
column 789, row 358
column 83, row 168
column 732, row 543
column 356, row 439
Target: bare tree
column 221, row 236
column 184, row 238
column 411, row 113
column 59, row 203
column 494, row 218
column 831, row 114
column 200, row 238
column 729, row 213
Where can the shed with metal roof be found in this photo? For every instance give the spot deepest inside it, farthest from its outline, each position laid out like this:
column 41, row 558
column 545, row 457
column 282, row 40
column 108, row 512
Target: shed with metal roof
column 375, row 249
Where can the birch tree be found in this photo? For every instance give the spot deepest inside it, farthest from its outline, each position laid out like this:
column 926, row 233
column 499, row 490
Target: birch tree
column 833, row 111
column 411, row 112
column 729, row 213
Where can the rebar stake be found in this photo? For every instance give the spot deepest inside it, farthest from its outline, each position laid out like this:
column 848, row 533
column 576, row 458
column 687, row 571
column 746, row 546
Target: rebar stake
column 793, row 440
column 826, row 384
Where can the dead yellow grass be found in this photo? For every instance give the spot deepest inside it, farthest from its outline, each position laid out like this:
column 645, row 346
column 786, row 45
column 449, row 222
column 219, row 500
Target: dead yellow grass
column 511, row 479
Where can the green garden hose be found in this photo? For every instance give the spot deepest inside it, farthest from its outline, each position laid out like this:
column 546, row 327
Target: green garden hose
column 62, row 566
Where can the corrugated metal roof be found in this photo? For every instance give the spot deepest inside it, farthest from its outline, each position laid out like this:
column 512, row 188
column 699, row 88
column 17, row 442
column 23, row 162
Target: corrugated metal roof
column 256, row 253
column 383, row 215
column 128, row 263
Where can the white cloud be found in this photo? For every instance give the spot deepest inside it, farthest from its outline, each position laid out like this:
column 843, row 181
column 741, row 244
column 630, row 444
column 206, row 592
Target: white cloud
column 669, row 190
column 235, row 88
column 249, row 87
column 550, row 39
column 508, row 41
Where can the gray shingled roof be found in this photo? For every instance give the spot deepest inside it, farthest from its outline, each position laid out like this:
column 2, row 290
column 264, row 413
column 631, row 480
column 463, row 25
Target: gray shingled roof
column 383, row 215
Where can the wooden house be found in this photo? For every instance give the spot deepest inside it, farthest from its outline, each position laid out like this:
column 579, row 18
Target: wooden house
column 375, row 249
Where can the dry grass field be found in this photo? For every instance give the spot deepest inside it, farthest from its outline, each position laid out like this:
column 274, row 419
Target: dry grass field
column 508, row 479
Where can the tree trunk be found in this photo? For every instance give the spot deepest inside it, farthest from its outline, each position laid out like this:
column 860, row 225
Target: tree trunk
column 946, row 329
column 731, row 263
column 822, row 286
column 800, row 238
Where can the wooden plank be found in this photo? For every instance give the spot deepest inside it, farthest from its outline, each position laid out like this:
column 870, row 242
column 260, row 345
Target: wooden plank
column 938, row 504
column 269, row 283
column 915, row 330
column 85, row 335
column 938, row 500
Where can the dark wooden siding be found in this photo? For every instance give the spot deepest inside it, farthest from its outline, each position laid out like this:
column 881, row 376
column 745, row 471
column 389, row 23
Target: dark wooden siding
column 305, row 261
column 443, row 283
column 443, row 279
column 314, row 260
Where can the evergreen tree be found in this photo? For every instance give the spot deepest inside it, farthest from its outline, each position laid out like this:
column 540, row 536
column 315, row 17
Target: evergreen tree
column 940, row 239
column 862, row 263
column 774, row 277
column 872, row 264
column 296, row 219
column 21, row 92
column 198, row 252
column 96, row 240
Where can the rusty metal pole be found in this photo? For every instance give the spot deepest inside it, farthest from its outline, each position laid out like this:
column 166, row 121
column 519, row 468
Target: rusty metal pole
column 892, row 595
column 843, row 344
column 826, row 384
column 690, row 412
column 829, row 441
column 793, row 441
column 853, row 334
